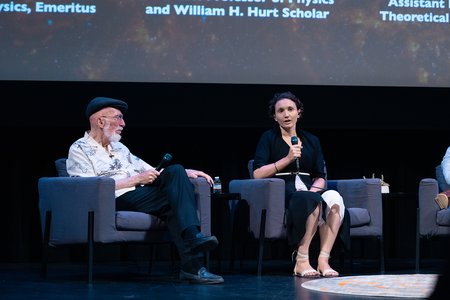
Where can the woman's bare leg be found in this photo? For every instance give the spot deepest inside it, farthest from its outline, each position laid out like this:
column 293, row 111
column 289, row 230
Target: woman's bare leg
column 302, row 259
column 328, row 232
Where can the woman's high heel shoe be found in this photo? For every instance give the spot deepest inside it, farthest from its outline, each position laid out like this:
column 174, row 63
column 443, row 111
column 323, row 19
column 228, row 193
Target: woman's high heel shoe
column 308, row 273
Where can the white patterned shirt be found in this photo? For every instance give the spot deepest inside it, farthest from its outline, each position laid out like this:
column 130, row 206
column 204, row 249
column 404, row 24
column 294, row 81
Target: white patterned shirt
column 445, row 164
column 89, row 158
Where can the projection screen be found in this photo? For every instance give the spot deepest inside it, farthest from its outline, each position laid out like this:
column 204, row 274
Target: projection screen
column 307, row 42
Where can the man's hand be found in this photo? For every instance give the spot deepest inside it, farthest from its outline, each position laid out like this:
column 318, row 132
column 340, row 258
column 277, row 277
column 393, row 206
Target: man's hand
column 195, row 173
column 148, row 177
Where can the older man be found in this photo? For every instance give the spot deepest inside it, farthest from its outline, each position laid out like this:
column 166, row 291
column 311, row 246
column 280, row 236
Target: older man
column 168, row 193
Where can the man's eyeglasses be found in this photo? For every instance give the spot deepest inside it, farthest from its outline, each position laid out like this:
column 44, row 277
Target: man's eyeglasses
column 116, row 117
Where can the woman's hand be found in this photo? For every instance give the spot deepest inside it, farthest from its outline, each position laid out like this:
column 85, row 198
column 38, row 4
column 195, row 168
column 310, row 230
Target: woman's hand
column 295, row 151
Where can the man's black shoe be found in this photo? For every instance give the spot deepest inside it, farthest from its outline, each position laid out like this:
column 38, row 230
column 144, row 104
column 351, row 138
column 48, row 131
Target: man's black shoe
column 202, row 277
column 200, row 243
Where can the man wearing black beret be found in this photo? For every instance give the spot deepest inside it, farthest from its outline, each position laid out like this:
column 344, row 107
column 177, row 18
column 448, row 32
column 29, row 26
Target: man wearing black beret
column 166, row 193
column 99, row 103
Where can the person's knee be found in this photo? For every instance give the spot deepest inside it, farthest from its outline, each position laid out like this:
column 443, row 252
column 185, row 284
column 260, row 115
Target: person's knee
column 334, row 200
column 335, row 209
column 316, row 212
column 334, row 218
column 332, row 196
column 175, row 168
column 173, row 171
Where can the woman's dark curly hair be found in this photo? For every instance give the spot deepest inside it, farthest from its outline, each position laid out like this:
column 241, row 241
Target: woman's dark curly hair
column 284, row 95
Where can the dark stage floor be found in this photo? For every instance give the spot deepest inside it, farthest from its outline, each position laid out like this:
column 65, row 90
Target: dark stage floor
column 130, row 280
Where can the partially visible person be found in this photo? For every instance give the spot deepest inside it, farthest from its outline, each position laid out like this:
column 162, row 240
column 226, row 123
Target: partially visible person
column 309, row 205
column 445, row 164
column 442, row 198
column 167, row 193
column 442, row 287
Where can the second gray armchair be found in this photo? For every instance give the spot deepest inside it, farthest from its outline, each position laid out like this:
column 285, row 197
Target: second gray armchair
column 265, row 198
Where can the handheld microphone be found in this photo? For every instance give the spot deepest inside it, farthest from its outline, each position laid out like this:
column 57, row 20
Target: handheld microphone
column 294, row 141
column 164, row 162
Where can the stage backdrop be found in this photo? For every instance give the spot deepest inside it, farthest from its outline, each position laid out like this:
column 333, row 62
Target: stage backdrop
column 325, row 42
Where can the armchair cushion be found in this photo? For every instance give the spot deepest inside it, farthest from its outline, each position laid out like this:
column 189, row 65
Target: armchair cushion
column 61, row 169
column 358, row 216
column 132, row 220
column 443, row 217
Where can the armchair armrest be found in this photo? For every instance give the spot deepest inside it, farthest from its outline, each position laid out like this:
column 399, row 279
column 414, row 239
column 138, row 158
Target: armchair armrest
column 267, row 193
column 71, row 199
column 202, row 192
column 428, row 189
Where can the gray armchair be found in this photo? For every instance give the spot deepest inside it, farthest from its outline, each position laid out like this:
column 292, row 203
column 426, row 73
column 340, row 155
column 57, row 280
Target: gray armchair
column 431, row 220
column 265, row 198
column 81, row 210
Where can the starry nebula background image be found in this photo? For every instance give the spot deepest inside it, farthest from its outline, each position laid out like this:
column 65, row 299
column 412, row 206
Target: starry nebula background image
column 328, row 42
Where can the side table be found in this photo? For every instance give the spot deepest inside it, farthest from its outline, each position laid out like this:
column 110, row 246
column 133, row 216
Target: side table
column 224, row 223
column 399, row 223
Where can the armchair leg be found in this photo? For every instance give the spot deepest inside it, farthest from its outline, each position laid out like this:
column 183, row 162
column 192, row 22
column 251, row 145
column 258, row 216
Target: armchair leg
column 262, row 232
column 48, row 221
column 151, row 247
column 342, row 259
column 172, row 254
column 90, row 245
column 417, row 241
column 382, row 270
column 351, row 261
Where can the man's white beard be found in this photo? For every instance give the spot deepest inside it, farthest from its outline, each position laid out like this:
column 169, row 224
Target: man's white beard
column 115, row 137
column 112, row 136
